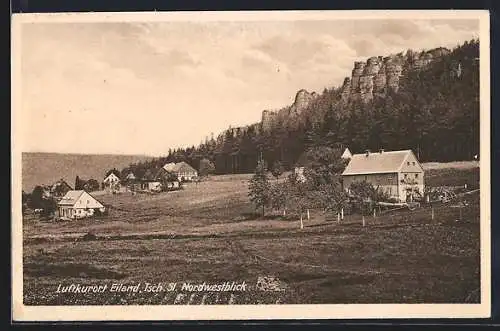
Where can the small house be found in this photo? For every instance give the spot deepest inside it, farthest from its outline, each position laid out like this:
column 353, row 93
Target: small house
column 398, row 173
column 112, row 181
column 79, row 204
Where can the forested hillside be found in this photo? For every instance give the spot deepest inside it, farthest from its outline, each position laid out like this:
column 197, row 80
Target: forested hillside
column 425, row 101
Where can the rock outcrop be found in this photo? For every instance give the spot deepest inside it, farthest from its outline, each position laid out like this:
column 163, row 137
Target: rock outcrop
column 302, row 100
column 381, row 74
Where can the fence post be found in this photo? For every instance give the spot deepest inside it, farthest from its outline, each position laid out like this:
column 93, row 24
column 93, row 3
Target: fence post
column 432, row 213
column 374, row 213
column 338, row 218
column 301, row 223
column 342, row 214
column 363, row 220
column 308, row 214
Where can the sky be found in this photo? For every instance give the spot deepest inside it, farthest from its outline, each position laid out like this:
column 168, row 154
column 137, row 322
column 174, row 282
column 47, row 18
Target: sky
column 142, row 88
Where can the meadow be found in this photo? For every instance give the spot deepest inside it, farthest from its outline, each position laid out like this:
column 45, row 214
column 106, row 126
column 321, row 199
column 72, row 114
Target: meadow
column 209, row 232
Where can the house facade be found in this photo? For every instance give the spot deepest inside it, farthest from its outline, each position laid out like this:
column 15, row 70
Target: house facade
column 398, row 173
column 112, row 181
column 79, row 204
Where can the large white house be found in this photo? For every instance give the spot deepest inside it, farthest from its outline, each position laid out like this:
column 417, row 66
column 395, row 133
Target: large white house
column 398, row 173
column 79, row 204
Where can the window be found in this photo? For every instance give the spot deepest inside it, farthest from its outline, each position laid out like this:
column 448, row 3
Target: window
column 416, row 175
column 406, row 176
column 413, row 162
column 408, row 163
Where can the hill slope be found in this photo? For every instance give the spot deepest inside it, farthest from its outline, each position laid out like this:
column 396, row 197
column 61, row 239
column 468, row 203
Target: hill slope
column 46, row 168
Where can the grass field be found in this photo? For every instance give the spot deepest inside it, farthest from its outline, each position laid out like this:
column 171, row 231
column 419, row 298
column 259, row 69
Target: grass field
column 210, row 233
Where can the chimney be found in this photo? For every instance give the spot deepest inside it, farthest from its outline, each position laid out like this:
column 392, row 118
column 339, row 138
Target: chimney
column 367, row 152
column 381, row 150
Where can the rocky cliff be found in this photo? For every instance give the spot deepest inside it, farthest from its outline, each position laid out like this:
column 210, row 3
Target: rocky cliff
column 380, row 74
column 302, row 100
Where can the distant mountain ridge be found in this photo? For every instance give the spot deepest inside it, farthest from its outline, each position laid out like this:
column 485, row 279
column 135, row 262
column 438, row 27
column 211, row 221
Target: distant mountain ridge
column 46, row 168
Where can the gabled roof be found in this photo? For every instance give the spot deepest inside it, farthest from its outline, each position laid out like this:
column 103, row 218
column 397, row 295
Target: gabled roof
column 347, row 154
column 111, row 174
column 183, row 167
column 376, row 162
column 71, row 197
column 178, row 167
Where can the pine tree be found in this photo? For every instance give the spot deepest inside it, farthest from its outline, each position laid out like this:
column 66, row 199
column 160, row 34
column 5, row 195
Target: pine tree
column 259, row 188
column 78, row 183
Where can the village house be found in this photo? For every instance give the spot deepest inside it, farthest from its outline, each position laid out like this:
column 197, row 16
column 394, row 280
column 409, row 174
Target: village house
column 79, row 204
column 398, row 173
column 111, row 182
column 183, row 170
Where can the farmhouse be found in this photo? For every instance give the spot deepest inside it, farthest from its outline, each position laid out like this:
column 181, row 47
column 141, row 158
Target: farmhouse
column 184, row 171
column 112, row 181
column 79, row 204
column 398, row 173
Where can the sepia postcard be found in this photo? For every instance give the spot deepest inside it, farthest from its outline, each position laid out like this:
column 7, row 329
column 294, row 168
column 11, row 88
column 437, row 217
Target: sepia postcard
column 250, row 165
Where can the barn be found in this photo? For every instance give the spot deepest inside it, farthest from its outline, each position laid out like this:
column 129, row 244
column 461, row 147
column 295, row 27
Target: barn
column 398, row 173
column 79, row 204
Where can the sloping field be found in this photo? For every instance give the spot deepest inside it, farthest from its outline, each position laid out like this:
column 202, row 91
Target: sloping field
column 210, row 233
